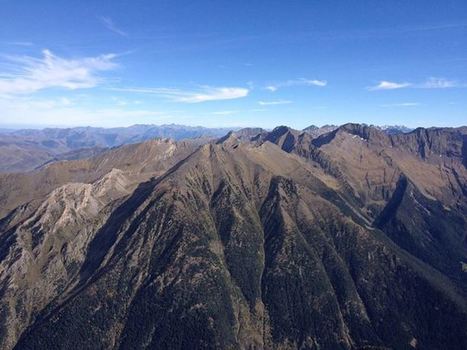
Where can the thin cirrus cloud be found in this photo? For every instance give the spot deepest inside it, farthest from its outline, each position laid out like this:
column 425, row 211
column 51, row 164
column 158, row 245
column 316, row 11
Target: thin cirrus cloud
column 403, row 104
column 296, row 82
column 224, row 112
column 430, row 83
column 440, row 83
column 31, row 74
column 273, row 103
column 19, row 43
column 110, row 25
column 198, row 95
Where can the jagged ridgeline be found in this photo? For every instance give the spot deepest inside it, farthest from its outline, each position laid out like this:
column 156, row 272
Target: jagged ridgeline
column 345, row 238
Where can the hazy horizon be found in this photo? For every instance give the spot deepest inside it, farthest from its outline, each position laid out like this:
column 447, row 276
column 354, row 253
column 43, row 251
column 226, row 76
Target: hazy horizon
column 41, row 127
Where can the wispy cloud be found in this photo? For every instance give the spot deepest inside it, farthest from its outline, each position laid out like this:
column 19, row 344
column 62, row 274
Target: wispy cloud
column 276, row 102
column 389, row 85
column 439, row 83
column 430, row 83
column 392, row 31
column 434, row 27
column 110, row 25
column 296, row 82
column 224, row 112
column 403, row 104
column 30, row 74
column 200, row 94
column 19, row 43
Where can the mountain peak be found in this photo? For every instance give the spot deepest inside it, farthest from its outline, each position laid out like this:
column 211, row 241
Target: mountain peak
column 316, row 131
column 364, row 131
column 229, row 139
column 248, row 134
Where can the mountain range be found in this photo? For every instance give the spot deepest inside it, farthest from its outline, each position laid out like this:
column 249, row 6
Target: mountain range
column 345, row 238
column 27, row 149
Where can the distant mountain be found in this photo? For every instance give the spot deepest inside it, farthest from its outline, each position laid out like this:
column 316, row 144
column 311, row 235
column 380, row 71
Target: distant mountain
column 395, row 129
column 316, row 131
column 23, row 150
column 248, row 133
column 354, row 239
column 85, row 137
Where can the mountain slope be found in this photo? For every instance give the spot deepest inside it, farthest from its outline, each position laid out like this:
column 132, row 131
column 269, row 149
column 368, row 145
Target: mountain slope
column 410, row 185
column 140, row 161
column 239, row 245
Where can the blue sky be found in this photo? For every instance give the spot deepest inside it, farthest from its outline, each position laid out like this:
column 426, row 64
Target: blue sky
column 233, row 63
